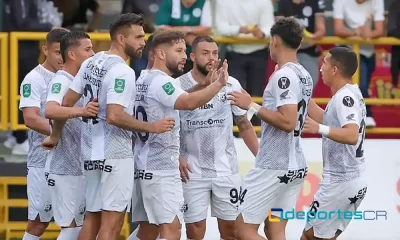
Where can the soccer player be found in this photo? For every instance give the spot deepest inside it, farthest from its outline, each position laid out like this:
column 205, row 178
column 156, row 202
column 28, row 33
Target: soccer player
column 33, row 93
column 280, row 168
column 66, row 180
column 208, row 162
column 342, row 126
column 157, row 155
column 106, row 142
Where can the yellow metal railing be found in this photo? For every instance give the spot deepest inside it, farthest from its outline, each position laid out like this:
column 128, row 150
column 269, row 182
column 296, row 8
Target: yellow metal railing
column 4, row 81
column 355, row 42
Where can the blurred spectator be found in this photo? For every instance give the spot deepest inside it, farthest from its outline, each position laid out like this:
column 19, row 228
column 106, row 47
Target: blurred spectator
column 24, row 15
column 75, row 14
column 149, row 9
column 394, row 31
column 310, row 14
column 354, row 18
column 251, row 18
column 192, row 17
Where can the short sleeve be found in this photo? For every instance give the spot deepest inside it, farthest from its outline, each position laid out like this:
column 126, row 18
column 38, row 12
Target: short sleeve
column 206, row 17
column 237, row 111
column 338, row 9
column 77, row 83
column 168, row 91
column 163, row 16
column 319, row 6
column 378, row 10
column 286, row 87
column 31, row 91
column 346, row 109
column 121, row 86
column 57, row 90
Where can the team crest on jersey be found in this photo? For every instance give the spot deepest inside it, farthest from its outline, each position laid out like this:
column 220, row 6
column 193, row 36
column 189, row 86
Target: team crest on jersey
column 222, row 96
column 348, row 101
column 82, row 209
column 183, row 207
column 283, row 83
column 47, row 207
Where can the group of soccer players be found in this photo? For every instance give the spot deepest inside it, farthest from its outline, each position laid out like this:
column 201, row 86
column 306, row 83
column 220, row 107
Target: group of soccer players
column 164, row 147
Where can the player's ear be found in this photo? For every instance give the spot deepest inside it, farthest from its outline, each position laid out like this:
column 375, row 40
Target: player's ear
column 45, row 50
column 71, row 55
column 121, row 39
column 160, row 53
column 191, row 57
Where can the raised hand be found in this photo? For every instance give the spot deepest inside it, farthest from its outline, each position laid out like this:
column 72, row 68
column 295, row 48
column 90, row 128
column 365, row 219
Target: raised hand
column 223, row 74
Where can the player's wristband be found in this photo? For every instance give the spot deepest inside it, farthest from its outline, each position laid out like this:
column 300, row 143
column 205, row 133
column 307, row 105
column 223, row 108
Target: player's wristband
column 254, row 107
column 323, row 130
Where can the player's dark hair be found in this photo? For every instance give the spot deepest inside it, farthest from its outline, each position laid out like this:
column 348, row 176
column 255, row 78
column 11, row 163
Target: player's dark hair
column 55, row 35
column 167, row 37
column 71, row 39
column 289, row 30
column 200, row 39
column 149, row 42
column 345, row 59
column 125, row 21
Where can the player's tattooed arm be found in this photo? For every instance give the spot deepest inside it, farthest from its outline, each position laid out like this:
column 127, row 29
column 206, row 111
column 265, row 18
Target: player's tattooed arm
column 315, row 112
column 34, row 121
column 247, row 133
column 56, row 112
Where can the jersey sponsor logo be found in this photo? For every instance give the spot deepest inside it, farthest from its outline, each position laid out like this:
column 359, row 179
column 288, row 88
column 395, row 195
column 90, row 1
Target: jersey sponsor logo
column 292, row 175
column 284, row 95
column 142, row 174
column 348, row 101
column 205, row 123
column 97, row 165
column 350, row 117
column 56, row 88
column 168, row 88
column 207, row 106
column 360, row 195
column 119, row 85
column 283, row 83
column 26, row 90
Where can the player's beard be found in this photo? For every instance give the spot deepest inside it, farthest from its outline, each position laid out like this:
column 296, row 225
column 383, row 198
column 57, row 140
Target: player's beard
column 202, row 69
column 173, row 67
column 132, row 52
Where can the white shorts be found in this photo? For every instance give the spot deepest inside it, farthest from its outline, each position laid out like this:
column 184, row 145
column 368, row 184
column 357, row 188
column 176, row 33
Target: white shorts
column 68, row 199
column 265, row 189
column 332, row 197
column 158, row 197
column 39, row 201
column 222, row 192
column 109, row 184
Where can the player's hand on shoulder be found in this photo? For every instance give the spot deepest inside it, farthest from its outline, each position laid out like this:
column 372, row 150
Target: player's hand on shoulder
column 310, row 126
column 163, row 125
column 50, row 142
column 91, row 109
column 184, row 169
column 241, row 99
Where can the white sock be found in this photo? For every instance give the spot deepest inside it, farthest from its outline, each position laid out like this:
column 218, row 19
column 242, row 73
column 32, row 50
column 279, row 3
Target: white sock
column 69, row 233
column 28, row 236
column 133, row 235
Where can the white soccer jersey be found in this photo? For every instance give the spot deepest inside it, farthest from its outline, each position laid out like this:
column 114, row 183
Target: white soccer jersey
column 343, row 162
column 65, row 159
column 206, row 133
column 279, row 150
column 109, row 79
column 33, row 93
column 156, row 95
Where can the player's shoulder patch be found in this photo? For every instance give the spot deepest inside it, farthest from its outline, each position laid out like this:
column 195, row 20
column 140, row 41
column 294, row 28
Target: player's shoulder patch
column 347, row 97
column 348, row 101
column 283, row 82
column 283, row 76
column 168, row 88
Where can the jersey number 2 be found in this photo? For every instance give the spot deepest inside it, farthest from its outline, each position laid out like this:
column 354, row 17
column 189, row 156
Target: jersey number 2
column 360, row 149
column 139, row 109
column 301, row 109
column 88, row 91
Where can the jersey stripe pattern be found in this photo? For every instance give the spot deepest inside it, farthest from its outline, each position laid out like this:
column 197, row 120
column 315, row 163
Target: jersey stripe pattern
column 206, row 133
column 65, row 158
column 344, row 162
column 38, row 78
column 279, row 150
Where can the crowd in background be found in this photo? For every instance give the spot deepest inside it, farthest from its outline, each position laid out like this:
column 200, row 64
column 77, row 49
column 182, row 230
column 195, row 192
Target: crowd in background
column 243, row 18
